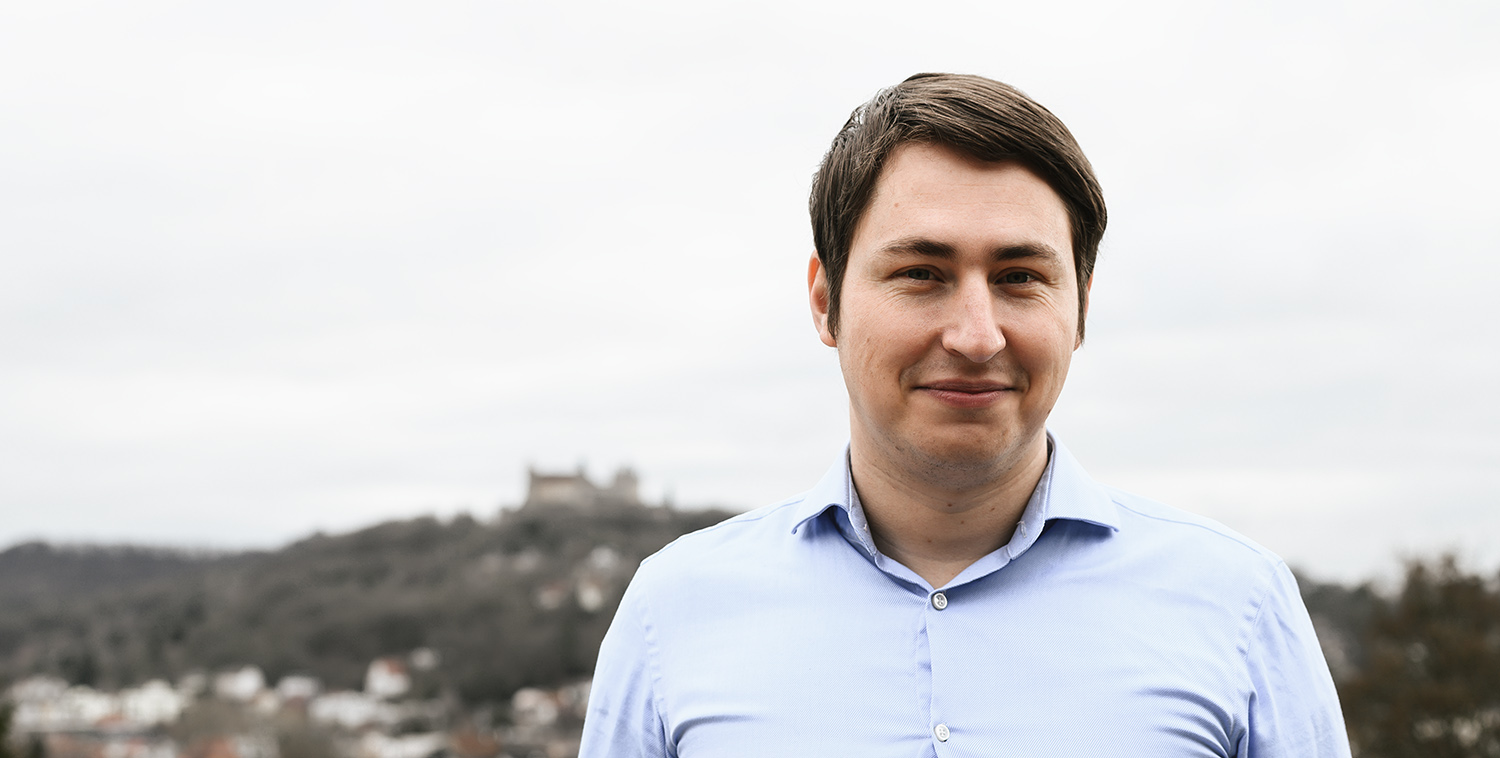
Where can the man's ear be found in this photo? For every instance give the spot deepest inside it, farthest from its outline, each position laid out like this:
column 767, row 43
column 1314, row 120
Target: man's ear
column 817, row 297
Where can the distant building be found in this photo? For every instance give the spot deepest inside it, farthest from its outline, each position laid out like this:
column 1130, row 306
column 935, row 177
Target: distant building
column 193, row 684
column 424, row 659
column 298, row 687
column 152, row 704
column 534, row 707
column 576, row 490
column 48, row 704
column 590, row 594
column 38, row 689
column 373, row 744
column 387, row 678
column 242, row 684
column 351, row 710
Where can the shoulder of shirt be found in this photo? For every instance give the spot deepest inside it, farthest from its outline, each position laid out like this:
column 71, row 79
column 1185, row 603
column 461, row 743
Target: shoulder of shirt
column 708, row 545
column 1190, row 526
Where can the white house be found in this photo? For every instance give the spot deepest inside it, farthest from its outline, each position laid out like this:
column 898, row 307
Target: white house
column 298, row 687
column 152, row 703
column 242, row 685
column 387, row 678
column 351, row 710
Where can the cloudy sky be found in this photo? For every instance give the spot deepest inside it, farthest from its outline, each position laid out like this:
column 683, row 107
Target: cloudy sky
column 273, row 267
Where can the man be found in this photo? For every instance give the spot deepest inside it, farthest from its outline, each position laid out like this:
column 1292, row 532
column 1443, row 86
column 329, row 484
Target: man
column 956, row 585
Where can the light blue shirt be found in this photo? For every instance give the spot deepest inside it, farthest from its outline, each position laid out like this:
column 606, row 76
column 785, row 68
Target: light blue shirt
column 1109, row 625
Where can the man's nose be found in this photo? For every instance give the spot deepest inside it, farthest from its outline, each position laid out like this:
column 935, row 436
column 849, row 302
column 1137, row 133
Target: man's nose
column 973, row 328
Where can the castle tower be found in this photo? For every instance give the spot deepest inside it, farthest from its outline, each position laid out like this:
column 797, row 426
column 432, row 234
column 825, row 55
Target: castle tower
column 626, row 486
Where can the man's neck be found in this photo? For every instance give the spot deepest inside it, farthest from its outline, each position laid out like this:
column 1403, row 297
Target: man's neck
column 935, row 530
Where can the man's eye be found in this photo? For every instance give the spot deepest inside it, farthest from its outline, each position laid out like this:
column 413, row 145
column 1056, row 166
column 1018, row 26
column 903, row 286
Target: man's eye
column 920, row 274
column 1017, row 277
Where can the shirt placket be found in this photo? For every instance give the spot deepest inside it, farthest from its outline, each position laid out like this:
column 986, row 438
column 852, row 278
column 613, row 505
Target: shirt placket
column 940, row 731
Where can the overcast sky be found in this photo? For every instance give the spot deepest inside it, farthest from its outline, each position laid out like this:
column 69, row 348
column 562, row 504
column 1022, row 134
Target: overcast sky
column 273, row 267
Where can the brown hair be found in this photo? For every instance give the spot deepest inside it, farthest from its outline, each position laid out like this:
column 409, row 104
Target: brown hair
column 983, row 118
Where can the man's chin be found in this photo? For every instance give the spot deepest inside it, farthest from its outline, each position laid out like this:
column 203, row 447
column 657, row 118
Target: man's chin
column 951, row 455
column 970, row 461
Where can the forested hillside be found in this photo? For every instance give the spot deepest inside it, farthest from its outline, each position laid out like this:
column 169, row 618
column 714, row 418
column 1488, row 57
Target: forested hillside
column 522, row 601
column 525, row 601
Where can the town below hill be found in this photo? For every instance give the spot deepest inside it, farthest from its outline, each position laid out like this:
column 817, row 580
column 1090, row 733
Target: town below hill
column 476, row 639
column 490, row 629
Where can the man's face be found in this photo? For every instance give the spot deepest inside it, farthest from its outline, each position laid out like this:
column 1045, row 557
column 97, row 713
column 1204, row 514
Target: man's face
column 959, row 315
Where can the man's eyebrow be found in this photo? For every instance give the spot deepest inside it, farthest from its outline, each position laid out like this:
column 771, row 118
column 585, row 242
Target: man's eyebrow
column 934, row 249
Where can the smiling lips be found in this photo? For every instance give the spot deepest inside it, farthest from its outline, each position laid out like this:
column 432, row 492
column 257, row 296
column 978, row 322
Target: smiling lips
column 965, row 393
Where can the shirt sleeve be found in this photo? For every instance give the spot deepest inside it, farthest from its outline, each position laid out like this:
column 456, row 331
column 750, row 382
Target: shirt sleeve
column 1294, row 708
column 623, row 720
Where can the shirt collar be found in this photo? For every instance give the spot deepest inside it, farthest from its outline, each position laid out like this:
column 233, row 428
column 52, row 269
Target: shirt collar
column 834, row 490
column 1065, row 491
column 1073, row 495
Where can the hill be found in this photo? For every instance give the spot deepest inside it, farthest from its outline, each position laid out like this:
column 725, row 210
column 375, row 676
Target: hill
column 522, row 601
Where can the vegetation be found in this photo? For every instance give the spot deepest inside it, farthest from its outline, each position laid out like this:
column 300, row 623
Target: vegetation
column 498, row 602
column 503, row 604
column 6, row 711
column 1429, row 686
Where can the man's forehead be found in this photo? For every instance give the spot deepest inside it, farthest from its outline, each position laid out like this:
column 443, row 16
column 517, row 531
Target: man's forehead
column 924, row 189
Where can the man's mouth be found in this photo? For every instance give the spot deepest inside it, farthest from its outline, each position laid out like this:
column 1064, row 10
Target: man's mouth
column 964, row 385
column 965, row 393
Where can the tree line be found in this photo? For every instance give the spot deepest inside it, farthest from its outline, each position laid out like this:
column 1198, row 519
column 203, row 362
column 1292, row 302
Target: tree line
column 498, row 601
column 503, row 603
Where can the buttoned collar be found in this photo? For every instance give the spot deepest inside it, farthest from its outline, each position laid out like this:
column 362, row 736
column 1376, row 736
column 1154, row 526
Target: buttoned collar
column 1065, row 491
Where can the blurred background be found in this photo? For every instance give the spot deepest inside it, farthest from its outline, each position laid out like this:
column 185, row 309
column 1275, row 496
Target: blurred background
column 277, row 269
column 281, row 267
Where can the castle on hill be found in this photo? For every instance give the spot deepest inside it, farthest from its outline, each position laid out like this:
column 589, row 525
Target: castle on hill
column 576, row 490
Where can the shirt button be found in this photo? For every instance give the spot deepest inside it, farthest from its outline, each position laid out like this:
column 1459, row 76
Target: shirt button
column 941, row 732
column 939, row 600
